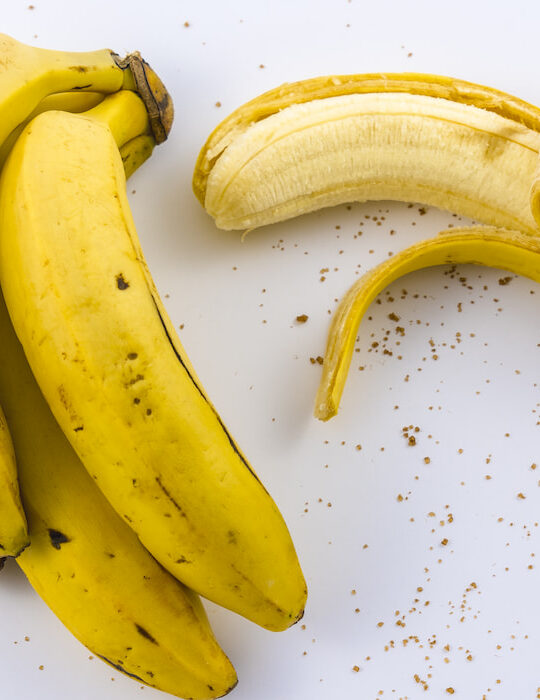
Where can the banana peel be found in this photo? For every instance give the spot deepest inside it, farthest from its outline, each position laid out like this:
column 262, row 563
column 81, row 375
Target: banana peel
column 481, row 245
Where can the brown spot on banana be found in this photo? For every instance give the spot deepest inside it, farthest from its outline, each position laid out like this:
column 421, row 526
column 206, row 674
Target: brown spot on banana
column 146, row 634
column 121, row 282
column 57, row 538
column 118, row 667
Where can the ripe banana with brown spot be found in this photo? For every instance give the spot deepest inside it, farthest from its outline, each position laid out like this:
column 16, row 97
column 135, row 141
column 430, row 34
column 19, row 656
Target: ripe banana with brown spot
column 455, row 145
column 116, row 377
column 84, row 561
column 481, row 245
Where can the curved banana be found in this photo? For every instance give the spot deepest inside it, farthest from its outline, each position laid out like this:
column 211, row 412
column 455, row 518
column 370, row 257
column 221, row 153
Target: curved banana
column 84, row 561
column 482, row 245
column 112, row 369
column 13, row 526
column 322, row 142
column 30, row 74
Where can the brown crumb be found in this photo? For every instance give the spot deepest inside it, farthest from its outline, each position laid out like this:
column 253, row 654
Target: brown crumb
column 302, row 318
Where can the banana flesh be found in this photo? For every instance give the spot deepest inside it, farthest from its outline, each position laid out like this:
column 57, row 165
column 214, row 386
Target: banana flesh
column 481, row 245
column 376, row 146
column 13, row 526
column 113, row 371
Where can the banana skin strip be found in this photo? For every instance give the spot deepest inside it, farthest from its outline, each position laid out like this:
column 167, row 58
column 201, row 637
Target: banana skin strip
column 481, row 245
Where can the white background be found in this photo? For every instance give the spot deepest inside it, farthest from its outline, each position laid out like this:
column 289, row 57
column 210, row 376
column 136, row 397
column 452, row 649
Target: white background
column 476, row 406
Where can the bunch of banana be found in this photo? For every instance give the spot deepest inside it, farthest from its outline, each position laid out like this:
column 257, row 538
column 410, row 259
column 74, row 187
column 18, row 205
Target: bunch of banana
column 114, row 374
column 173, row 485
column 459, row 146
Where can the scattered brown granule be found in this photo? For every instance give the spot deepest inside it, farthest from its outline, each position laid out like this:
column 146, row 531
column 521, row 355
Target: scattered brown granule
column 411, row 441
column 450, row 691
column 521, row 495
column 488, row 477
column 186, row 24
column 380, row 624
column 399, row 498
column 41, row 668
column 533, row 466
column 302, row 318
column 504, row 280
column 261, row 65
column 356, row 668
column 444, row 542
column 358, row 447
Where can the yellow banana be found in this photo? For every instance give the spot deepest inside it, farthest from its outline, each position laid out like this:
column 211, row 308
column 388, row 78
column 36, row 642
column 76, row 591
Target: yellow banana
column 482, row 245
column 13, row 527
column 84, row 561
column 455, row 145
column 113, row 371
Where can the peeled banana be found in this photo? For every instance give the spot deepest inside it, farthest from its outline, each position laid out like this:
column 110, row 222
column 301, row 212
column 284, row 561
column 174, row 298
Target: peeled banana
column 481, row 245
column 112, row 369
column 455, row 145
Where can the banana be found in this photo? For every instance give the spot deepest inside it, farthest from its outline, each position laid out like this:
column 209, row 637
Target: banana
column 13, row 526
column 481, row 245
column 112, row 369
column 84, row 561
column 451, row 144
column 28, row 75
